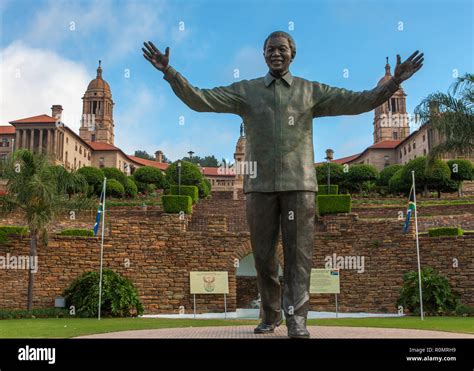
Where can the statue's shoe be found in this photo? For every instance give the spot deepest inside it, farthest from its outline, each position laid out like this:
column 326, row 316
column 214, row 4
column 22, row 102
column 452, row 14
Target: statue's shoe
column 297, row 327
column 265, row 328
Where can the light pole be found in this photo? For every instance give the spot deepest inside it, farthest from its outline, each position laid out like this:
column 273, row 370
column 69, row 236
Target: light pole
column 179, row 177
column 190, row 153
column 329, row 157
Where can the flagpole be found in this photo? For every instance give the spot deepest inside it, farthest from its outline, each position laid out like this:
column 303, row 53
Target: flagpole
column 417, row 245
column 102, row 248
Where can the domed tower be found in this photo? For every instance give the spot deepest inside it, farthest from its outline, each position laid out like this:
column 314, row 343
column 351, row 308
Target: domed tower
column 391, row 119
column 97, row 111
column 239, row 157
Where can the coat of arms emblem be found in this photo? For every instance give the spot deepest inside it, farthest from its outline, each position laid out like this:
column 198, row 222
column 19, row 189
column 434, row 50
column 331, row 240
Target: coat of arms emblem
column 209, row 284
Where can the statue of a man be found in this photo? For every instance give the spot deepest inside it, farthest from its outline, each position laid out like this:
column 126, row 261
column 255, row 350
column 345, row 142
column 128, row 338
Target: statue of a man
column 278, row 111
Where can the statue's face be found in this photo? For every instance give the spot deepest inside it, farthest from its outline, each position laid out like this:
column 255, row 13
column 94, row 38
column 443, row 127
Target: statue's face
column 277, row 55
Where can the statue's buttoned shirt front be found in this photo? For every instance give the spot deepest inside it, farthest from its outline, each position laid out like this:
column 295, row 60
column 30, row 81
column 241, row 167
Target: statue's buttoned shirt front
column 278, row 117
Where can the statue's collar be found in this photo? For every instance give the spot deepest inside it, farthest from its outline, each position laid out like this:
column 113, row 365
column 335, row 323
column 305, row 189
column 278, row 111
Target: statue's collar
column 269, row 78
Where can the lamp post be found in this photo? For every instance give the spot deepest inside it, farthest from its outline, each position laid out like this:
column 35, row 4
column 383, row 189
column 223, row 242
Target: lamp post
column 179, row 177
column 190, row 153
column 329, row 157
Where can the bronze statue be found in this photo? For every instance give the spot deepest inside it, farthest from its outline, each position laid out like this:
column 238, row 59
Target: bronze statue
column 278, row 111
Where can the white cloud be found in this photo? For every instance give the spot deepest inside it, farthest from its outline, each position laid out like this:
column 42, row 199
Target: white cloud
column 250, row 63
column 32, row 80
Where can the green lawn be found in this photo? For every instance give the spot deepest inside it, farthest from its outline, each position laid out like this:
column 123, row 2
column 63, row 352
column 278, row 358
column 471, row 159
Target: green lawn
column 71, row 327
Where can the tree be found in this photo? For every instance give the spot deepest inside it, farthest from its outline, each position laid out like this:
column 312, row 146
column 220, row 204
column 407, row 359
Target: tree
column 39, row 190
column 396, row 184
column 144, row 154
column 337, row 173
column 387, row 173
column 359, row 175
column 461, row 170
column 94, row 178
column 190, row 175
column 418, row 165
column 150, row 175
column 452, row 116
column 114, row 173
column 438, row 177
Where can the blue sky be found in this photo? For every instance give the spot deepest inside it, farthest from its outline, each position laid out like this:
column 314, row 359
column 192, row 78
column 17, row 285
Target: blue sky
column 55, row 46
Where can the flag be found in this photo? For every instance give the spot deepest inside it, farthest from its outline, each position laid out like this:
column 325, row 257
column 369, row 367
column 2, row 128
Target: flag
column 411, row 209
column 99, row 213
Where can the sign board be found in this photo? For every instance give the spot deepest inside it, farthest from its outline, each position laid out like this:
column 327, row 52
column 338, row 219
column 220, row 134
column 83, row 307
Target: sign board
column 209, row 282
column 324, row 281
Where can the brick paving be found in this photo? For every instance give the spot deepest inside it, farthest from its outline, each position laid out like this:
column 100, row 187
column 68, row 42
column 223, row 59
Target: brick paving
column 246, row 332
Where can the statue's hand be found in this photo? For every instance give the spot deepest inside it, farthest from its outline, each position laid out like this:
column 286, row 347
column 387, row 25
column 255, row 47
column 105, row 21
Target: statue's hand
column 159, row 60
column 403, row 71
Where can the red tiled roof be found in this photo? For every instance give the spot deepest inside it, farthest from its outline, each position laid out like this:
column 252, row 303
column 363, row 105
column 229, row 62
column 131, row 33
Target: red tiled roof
column 342, row 160
column 144, row 162
column 214, row 171
column 35, row 120
column 386, row 144
column 7, row 129
column 101, row 146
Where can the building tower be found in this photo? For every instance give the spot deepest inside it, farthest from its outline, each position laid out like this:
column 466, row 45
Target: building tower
column 97, row 123
column 391, row 119
column 239, row 158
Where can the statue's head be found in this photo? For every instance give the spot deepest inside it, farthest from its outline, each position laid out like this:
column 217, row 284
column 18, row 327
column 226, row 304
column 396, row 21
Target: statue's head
column 279, row 51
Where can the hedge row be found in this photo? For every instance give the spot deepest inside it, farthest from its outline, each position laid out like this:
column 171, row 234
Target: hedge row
column 445, row 231
column 9, row 230
column 191, row 191
column 176, row 204
column 323, row 189
column 333, row 204
column 77, row 232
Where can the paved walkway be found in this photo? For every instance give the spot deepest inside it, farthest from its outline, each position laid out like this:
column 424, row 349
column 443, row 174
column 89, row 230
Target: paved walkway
column 246, row 332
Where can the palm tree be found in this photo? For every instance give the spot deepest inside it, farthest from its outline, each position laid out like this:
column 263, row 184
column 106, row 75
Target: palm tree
column 39, row 191
column 452, row 116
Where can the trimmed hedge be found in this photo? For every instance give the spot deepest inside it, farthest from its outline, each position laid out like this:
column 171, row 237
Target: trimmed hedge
column 114, row 188
column 131, row 188
column 8, row 230
column 191, row 191
column 333, row 204
column 323, row 189
column 77, row 232
column 445, row 231
column 175, row 204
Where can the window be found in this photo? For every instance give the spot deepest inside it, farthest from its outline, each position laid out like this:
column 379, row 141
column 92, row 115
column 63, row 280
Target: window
column 424, row 151
column 395, row 135
column 404, row 150
column 414, row 145
column 67, row 140
column 80, row 150
column 393, row 105
column 93, row 138
column 423, row 137
column 409, row 148
column 75, row 148
column 400, row 153
column 5, row 142
column 101, row 162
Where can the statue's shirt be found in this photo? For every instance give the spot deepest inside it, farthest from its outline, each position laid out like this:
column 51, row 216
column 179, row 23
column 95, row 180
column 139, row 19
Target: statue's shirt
column 278, row 117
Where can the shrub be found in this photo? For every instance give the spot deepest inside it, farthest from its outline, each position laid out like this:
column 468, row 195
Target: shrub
column 8, row 230
column 323, row 189
column 176, row 204
column 131, row 188
column 461, row 169
column 333, row 204
column 204, row 189
column 115, row 188
column 191, row 191
column 387, row 173
column 150, row 175
column 77, row 232
column 445, row 231
column 114, row 173
column 359, row 175
column 119, row 295
column 336, row 173
column 437, row 295
column 190, row 175
column 396, row 183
